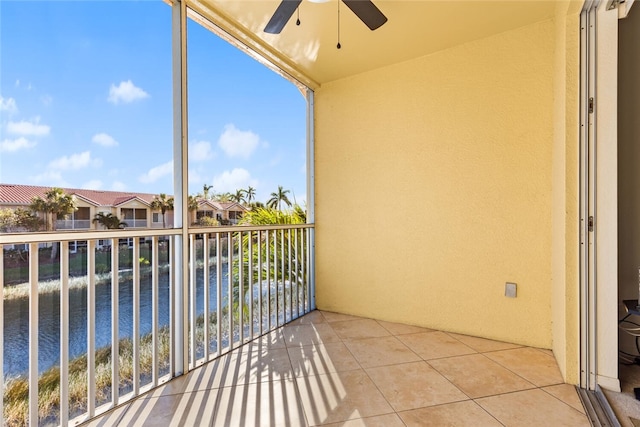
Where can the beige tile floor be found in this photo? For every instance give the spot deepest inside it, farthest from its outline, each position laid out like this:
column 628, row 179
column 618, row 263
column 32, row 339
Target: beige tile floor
column 338, row 370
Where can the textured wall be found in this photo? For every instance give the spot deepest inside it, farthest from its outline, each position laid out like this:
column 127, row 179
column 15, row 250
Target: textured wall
column 565, row 193
column 434, row 188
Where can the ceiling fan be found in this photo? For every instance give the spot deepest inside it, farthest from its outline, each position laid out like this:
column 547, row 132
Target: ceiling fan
column 364, row 9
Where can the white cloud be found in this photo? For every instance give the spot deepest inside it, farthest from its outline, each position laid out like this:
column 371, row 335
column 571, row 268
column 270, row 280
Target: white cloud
column 125, row 92
column 12, row 145
column 157, row 172
column 50, row 178
column 94, row 184
column 200, row 151
column 74, row 162
column 238, row 143
column 118, row 186
column 230, row 181
column 26, row 128
column 195, row 177
column 104, row 139
column 9, row 105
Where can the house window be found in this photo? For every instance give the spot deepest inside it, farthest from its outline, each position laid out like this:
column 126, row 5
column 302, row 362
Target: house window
column 157, row 217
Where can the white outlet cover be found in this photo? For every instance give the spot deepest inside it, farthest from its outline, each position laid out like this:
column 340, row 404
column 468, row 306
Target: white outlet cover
column 510, row 290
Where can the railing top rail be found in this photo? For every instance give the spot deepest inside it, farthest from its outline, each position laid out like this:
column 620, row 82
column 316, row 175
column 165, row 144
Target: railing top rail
column 233, row 228
column 70, row 235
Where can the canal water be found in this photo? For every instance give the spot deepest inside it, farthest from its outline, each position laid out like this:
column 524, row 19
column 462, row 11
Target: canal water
column 16, row 319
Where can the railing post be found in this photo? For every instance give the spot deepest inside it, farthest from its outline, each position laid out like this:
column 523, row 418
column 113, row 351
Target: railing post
column 115, row 337
column 136, row 315
column 192, row 301
column 311, row 277
column 2, row 336
column 206, row 284
column 240, row 287
column 33, row 333
column 218, row 295
column 155, row 272
column 64, row 333
column 260, row 310
column 230, row 287
column 250, row 269
column 91, row 328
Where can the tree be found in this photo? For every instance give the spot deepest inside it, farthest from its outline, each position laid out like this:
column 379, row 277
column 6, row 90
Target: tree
column 278, row 197
column 56, row 203
column 28, row 219
column 205, row 191
column 224, row 197
column 7, row 220
column 192, row 203
column 109, row 221
column 162, row 203
column 238, row 197
column 250, row 194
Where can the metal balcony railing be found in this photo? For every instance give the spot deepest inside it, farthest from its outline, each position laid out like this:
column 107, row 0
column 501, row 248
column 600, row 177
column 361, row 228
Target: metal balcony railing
column 73, row 224
column 136, row 223
column 59, row 337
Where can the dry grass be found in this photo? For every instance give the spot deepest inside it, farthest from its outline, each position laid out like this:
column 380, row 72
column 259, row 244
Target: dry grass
column 16, row 398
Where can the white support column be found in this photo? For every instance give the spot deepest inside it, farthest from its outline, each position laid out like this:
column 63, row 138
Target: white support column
column 180, row 173
column 311, row 211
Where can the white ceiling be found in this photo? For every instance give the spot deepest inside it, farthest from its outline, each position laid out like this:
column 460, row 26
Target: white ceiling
column 414, row 28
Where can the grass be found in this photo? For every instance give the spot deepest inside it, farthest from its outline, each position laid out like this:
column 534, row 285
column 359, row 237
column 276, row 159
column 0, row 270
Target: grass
column 16, row 263
column 16, row 398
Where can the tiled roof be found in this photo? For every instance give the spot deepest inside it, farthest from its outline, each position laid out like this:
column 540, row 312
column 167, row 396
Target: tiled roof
column 222, row 206
column 14, row 194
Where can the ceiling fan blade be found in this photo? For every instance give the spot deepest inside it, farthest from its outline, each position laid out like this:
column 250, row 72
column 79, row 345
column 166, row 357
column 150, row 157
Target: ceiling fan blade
column 367, row 12
column 281, row 16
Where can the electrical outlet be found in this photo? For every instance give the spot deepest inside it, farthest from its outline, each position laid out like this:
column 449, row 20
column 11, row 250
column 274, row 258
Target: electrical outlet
column 510, row 290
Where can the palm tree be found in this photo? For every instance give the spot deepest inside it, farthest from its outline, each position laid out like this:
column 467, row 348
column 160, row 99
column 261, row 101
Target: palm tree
column 238, row 197
column 250, row 194
column 163, row 204
column 109, row 221
column 56, row 203
column 192, row 203
column 278, row 197
column 224, row 197
column 205, row 191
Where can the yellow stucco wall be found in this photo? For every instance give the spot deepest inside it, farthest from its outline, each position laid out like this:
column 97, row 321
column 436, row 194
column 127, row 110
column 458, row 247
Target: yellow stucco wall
column 434, row 188
column 565, row 192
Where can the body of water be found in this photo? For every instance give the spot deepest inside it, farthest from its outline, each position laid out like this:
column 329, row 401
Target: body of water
column 16, row 319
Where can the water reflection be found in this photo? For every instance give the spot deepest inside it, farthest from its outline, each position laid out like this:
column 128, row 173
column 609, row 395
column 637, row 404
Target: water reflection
column 16, row 319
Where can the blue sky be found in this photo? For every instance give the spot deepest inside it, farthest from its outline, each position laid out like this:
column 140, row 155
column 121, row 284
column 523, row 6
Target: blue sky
column 86, row 102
